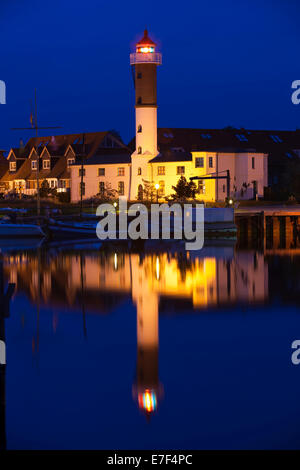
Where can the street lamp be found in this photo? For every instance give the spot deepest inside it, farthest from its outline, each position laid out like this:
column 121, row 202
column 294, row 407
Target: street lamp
column 157, row 188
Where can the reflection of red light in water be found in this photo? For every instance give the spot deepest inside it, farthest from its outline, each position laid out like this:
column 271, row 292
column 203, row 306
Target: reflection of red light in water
column 147, row 401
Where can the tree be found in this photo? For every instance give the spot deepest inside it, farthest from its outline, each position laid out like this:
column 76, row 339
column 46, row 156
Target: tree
column 108, row 193
column 184, row 189
column 149, row 190
column 45, row 189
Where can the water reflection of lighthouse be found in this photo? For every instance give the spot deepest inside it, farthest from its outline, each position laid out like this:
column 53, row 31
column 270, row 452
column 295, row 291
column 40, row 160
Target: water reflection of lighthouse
column 147, row 389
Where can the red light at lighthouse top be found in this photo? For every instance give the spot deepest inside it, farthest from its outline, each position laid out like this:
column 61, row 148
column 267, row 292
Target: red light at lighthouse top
column 145, row 52
column 145, row 45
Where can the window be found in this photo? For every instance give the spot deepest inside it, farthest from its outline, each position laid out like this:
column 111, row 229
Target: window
column 199, row 162
column 101, row 187
column 70, row 161
column 12, row 166
column 121, row 188
column 33, row 165
column 139, row 150
column 46, row 164
column 253, row 163
column 224, row 188
column 276, row 139
column 201, row 187
column 52, row 184
column 101, row 171
column 139, row 100
column 81, row 172
column 241, row 137
column 121, row 171
column 63, row 184
column 139, row 128
column 139, row 171
column 161, row 190
column 82, row 189
column 139, row 75
column 161, row 170
column 180, row 170
column 210, row 162
column 206, row 136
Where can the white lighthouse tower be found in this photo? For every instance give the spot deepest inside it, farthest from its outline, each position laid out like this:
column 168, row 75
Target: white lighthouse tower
column 144, row 62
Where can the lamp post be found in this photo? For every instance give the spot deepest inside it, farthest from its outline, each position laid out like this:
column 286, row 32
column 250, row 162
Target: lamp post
column 157, row 188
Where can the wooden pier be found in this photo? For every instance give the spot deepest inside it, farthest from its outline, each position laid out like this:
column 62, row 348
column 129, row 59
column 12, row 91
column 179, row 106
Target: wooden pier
column 272, row 227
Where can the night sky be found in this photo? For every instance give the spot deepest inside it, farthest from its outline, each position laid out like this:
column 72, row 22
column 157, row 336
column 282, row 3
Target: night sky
column 224, row 63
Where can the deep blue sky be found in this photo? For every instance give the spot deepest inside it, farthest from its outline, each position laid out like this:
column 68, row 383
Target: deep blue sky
column 224, row 63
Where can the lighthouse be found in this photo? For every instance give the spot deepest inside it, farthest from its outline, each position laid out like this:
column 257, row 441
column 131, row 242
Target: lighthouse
column 144, row 62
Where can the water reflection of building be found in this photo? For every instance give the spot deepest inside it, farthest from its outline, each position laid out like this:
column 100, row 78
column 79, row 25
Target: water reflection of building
column 156, row 283
column 196, row 280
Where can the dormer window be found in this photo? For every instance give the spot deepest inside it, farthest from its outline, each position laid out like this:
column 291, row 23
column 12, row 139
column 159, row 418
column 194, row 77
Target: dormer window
column 46, row 164
column 70, row 161
column 12, row 166
column 33, row 165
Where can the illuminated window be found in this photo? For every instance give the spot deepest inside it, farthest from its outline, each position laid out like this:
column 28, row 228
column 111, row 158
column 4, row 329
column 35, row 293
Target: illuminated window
column 161, row 170
column 139, row 128
column 33, row 165
column 121, row 171
column 101, row 171
column 201, row 187
column 12, row 166
column 46, row 164
column 140, row 150
column 210, row 162
column 180, row 170
column 199, row 162
column 121, row 188
column 139, row 171
column 253, row 163
column 161, row 191
column 101, row 187
column 81, row 172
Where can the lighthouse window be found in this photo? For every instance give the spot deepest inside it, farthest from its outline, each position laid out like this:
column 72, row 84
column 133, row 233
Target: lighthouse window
column 139, row 171
column 139, row 100
column 140, row 150
column 139, row 128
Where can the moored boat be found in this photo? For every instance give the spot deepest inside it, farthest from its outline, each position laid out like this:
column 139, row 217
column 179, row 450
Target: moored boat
column 20, row 231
